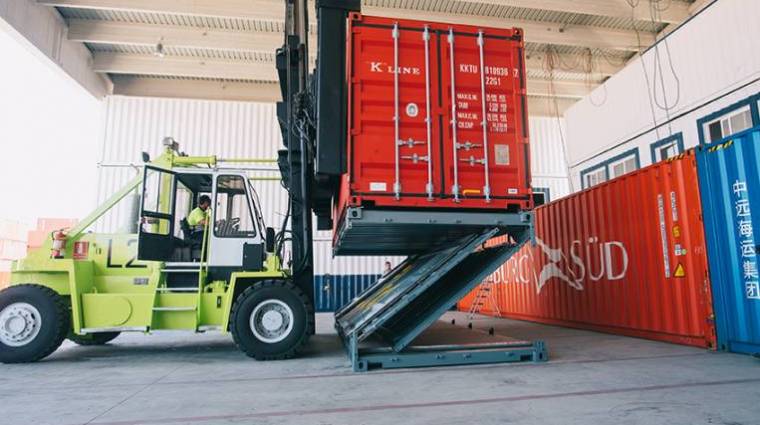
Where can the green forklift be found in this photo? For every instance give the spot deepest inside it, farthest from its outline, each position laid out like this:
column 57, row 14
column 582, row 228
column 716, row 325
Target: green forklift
column 226, row 274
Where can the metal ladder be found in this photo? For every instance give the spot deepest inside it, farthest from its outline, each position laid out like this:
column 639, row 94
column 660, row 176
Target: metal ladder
column 195, row 291
column 485, row 292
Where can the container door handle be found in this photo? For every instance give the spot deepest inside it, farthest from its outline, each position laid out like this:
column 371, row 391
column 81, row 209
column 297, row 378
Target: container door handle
column 484, row 121
column 415, row 158
column 455, row 188
column 428, row 121
column 396, row 118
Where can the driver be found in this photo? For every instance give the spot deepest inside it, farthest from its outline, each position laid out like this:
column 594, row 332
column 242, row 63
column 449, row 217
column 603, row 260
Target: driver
column 198, row 218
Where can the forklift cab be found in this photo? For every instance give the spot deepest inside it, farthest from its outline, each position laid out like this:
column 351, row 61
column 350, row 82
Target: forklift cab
column 235, row 233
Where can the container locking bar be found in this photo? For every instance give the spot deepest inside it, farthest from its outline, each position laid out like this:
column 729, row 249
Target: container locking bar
column 472, row 160
column 396, row 116
column 484, row 121
column 428, row 120
column 468, row 145
column 415, row 158
column 455, row 188
column 409, row 143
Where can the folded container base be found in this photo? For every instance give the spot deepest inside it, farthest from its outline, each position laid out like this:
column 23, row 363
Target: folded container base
column 364, row 231
column 382, row 327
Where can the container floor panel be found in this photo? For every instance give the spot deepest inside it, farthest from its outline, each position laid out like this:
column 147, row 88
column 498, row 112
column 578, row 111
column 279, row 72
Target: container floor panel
column 203, row 379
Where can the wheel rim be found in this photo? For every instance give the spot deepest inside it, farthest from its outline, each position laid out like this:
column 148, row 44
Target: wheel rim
column 271, row 321
column 20, row 324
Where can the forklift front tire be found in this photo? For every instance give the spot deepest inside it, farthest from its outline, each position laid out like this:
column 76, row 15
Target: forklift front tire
column 34, row 321
column 100, row 338
column 271, row 320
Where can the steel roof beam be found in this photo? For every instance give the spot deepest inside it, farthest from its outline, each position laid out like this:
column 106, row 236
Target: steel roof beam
column 124, row 33
column 232, row 9
column 180, row 66
column 537, row 32
column 674, row 12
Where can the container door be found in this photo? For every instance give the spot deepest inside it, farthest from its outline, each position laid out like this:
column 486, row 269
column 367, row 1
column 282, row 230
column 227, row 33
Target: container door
column 155, row 235
column 394, row 147
column 486, row 147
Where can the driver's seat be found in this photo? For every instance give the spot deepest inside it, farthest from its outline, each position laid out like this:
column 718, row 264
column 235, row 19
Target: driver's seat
column 193, row 243
column 186, row 231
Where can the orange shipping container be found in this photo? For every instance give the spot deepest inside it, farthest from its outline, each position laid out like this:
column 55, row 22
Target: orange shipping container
column 625, row 257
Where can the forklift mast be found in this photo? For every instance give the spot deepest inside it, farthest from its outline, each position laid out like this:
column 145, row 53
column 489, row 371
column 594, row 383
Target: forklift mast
column 312, row 117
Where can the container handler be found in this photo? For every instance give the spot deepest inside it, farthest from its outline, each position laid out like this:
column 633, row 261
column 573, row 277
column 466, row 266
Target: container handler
column 89, row 287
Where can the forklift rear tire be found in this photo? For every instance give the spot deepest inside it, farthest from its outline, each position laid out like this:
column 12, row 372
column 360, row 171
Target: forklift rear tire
column 34, row 321
column 100, row 338
column 271, row 320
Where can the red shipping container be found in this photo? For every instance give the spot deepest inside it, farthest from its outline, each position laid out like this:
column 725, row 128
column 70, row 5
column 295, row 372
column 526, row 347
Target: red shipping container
column 626, row 257
column 405, row 148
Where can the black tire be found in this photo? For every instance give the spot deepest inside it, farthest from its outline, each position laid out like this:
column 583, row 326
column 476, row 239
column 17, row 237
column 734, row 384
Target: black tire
column 100, row 338
column 54, row 322
column 265, row 292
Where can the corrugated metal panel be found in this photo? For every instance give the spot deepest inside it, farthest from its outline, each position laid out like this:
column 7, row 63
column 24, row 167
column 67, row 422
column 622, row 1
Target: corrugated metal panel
column 626, row 257
column 170, row 51
column 331, row 292
column 507, row 12
column 172, row 19
column 547, row 155
column 705, row 67
column 226, row 129
column 729, row 179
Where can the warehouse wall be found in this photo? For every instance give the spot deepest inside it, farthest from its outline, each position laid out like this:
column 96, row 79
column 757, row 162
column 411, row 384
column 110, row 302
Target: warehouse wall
column 548, row 156
column 704, row 67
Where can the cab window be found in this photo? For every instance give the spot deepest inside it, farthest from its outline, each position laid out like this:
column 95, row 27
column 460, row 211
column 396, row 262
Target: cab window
column 232, row 213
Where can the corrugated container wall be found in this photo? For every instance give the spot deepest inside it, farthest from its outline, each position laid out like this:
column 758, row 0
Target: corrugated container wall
column 228, row 130
column 729, row 179
column 626, row 257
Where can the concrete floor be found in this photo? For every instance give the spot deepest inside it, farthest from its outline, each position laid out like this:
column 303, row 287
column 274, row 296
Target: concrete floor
column 175, row 378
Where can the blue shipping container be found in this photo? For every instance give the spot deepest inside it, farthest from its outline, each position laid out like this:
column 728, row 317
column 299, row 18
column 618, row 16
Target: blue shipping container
column 332, row 292
column 729, row 183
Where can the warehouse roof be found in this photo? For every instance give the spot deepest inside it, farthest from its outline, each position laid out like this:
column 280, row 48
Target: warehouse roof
column 224, row 49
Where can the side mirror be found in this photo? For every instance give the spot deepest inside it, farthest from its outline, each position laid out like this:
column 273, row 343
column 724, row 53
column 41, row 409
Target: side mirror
column 270, row 239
